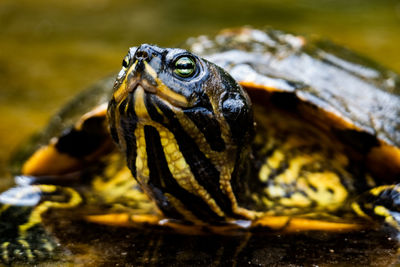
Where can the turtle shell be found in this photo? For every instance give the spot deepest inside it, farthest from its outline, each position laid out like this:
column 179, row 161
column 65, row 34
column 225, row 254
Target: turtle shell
column 351, row 96
column 348, row 95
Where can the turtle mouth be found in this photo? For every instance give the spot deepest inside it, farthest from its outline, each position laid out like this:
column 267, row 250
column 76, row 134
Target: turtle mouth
column 141, row 74
column 159, row 89
column 146, row 85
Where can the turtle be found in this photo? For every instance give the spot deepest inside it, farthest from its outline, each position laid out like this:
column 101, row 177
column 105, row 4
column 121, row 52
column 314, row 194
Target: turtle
column 247, row 129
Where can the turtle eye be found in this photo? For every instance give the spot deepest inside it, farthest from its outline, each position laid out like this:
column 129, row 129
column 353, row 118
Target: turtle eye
column 185, row 67
column 125, row 62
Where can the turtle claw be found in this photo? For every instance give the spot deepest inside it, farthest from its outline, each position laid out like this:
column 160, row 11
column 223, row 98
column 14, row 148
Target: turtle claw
column 35, row 246
column 22, row 235
column 381, row 204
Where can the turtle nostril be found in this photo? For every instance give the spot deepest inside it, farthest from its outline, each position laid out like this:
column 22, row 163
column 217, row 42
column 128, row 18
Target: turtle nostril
column 141, row 55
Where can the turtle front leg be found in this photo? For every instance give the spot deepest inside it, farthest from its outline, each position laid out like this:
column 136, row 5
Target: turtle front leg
column 381, row 204
column 22, row 235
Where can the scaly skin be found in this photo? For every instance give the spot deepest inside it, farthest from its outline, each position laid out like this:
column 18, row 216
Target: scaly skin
column 186, row 128
column 22, row 236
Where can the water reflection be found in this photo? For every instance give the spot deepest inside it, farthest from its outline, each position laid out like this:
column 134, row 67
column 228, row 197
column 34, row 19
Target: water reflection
column 151, row 247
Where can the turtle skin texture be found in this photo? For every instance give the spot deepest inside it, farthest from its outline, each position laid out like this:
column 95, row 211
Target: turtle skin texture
column 194, row 147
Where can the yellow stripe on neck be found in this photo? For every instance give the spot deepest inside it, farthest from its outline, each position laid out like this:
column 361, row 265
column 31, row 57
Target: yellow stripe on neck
column 140, row 107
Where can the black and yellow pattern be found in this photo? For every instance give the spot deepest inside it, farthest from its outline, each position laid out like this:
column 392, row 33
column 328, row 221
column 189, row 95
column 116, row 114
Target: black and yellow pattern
column 110, row 190
column 182, row 145
column 380, row 204
column 196, row 155
column 300, row 167
column 21, row 211
column 192, row 152
column 77, row 146
column 103, row 184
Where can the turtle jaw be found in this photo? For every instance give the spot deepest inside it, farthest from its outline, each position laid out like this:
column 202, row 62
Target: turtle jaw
column 143, row 75
column 134, row 84
column 136, row 75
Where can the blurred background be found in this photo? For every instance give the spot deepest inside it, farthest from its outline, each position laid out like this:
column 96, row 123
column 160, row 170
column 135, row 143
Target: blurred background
column 50, row 50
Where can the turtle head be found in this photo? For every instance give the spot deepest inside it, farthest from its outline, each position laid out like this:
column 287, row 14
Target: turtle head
column 185, row 126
